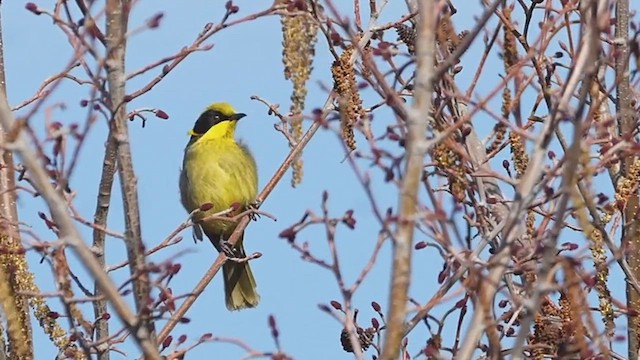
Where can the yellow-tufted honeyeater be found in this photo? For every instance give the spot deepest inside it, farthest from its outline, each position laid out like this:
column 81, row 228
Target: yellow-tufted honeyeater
column 217, row 169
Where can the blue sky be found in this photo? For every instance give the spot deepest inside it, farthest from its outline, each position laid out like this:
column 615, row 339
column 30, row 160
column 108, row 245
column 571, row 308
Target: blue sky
column 245, row 61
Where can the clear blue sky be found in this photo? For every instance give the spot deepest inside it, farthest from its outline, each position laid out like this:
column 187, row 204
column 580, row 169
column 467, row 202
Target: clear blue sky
column 245, row 61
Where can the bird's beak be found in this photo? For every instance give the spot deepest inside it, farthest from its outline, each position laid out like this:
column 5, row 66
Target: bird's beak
column 237, row 116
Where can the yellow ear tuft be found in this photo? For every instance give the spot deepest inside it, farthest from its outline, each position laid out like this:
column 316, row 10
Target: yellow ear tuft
column 223, row 107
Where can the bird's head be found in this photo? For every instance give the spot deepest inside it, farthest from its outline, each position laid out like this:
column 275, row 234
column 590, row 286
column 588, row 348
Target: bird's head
column 218, row 121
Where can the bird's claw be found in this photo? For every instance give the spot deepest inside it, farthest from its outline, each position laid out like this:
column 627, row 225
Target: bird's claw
column 254, row 206
column 232, row 253
column 228, row 249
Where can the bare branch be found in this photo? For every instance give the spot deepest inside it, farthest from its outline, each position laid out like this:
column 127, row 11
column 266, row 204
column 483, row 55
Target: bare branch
column 117, row 13
column 626, row 126
column 14, row 306
column 417, row 120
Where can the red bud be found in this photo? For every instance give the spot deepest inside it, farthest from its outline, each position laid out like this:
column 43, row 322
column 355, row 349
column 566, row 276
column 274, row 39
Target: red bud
column 167, row 341
column 376, row 307
column 154, row 22
column 161, row 114
column 420, row 245
column 206, row 207
column 33, row 8
column 53, row 314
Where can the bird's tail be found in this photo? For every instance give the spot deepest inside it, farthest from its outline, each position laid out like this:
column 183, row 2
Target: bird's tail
column 239, row 284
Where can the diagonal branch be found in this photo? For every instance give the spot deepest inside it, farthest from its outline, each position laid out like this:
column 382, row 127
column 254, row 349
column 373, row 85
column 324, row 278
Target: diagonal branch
column 242, row 224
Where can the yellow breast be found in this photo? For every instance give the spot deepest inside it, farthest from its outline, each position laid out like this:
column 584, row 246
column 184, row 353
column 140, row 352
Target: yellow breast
column 221, row 172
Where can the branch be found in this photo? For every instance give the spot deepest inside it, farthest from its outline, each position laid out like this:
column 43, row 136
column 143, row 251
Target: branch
column 444, row 66
column 415, row 151
column 15, row 306
column 117, row 18
column 70, row 236
column 100, row 220
column 626, row 126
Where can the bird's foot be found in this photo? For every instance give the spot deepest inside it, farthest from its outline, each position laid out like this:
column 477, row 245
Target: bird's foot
column 229, row 250
column 245, row 259
column 254, row 206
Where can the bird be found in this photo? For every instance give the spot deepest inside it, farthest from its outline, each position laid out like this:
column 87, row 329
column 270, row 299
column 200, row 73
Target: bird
column 221, row 171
